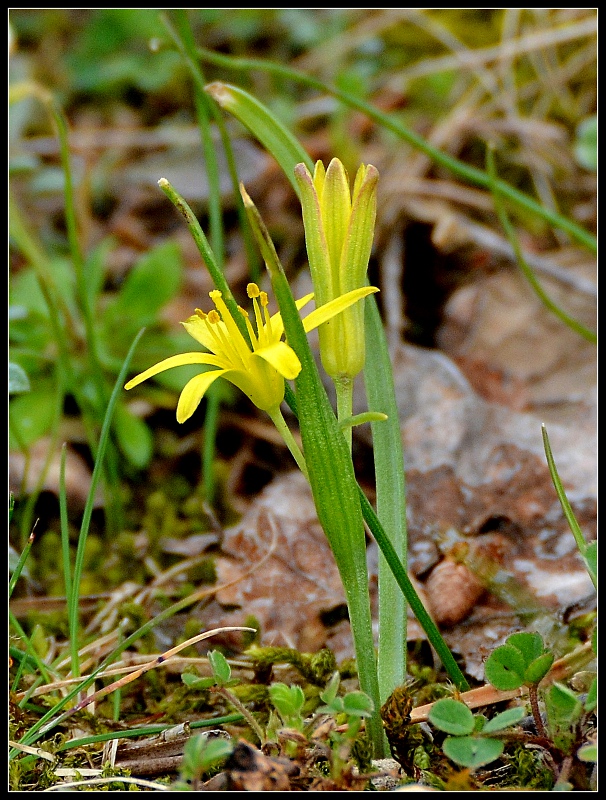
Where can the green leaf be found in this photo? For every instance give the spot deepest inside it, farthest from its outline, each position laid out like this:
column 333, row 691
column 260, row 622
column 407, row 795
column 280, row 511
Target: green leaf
column 529, row 644
column 591, row 558
column 357, row 704
column 472, row 752
column 451, row 716
column 18, row 382
column 503, row 720
column 591, row 700
column 220, row 667
column 25, row 288
column 153, row 281
column 388, row 455
column 536, row 671
column 567, row 508
column 196, row 682
column 505, row 668
column 563, row 709
column 288, row 700
column 32, row 415
column 134, row 438
column 588, row 752
column 94, row 270
column 201, row 754
column 332, row 687
column 272, row 134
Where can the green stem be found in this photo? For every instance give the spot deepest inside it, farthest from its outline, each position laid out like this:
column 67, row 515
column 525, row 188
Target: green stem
column 216, row 274
column 211, row 419
column 280, row 423
column 344, row 391
column 401, row 576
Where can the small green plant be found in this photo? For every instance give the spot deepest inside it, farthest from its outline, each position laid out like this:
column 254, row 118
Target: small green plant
column 472, row 740
column 220, row 682
column 350, row 710
column 522, row 661
column 202, row 755
column 288, row 702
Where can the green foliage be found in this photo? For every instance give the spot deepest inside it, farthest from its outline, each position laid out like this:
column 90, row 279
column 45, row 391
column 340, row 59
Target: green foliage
column 154, row 281
column 18, row 382
column 469, row 743
column 452, row 716
column 522, row 660
column 202, row 755
column 472, row 752
column 221, row 673
column 288, row 702
column 564, row 710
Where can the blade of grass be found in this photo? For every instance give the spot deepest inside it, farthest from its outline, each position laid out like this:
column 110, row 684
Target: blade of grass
column 20, row 564
column 46, row 723
column 525, row 267
column 30, row 650
column 73, row 610
column 276, row 139
column 566, row 507
column 67, row 561
column 185, row 45
column 147, row 730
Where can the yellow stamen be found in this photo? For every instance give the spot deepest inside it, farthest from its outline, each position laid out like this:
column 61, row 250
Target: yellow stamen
column 258, row 318
column 213, row 318
column 237, row 341
column 252, row 290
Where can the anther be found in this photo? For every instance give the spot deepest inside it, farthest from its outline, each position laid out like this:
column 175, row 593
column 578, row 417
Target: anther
column 252, row 290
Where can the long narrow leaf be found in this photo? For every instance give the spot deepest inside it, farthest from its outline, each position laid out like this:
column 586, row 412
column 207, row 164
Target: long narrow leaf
column 391, row 501
column 567, row 508
column 74, row 615
column 277, row 139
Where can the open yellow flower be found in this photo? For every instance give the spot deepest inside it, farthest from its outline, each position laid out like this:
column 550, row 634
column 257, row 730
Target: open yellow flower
column 259, row 368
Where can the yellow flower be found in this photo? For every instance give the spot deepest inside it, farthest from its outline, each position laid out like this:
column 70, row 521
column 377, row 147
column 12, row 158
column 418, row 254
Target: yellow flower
column 339, row 230
column 259, row 368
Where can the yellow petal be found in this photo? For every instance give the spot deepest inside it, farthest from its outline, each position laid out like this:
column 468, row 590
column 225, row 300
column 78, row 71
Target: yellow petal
column 277, row 325
column 175, row 361
column 336, row 210
column 315, row 238
column 282, row 358
column 194, row 391
column 330, row 310
column 198, row 329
